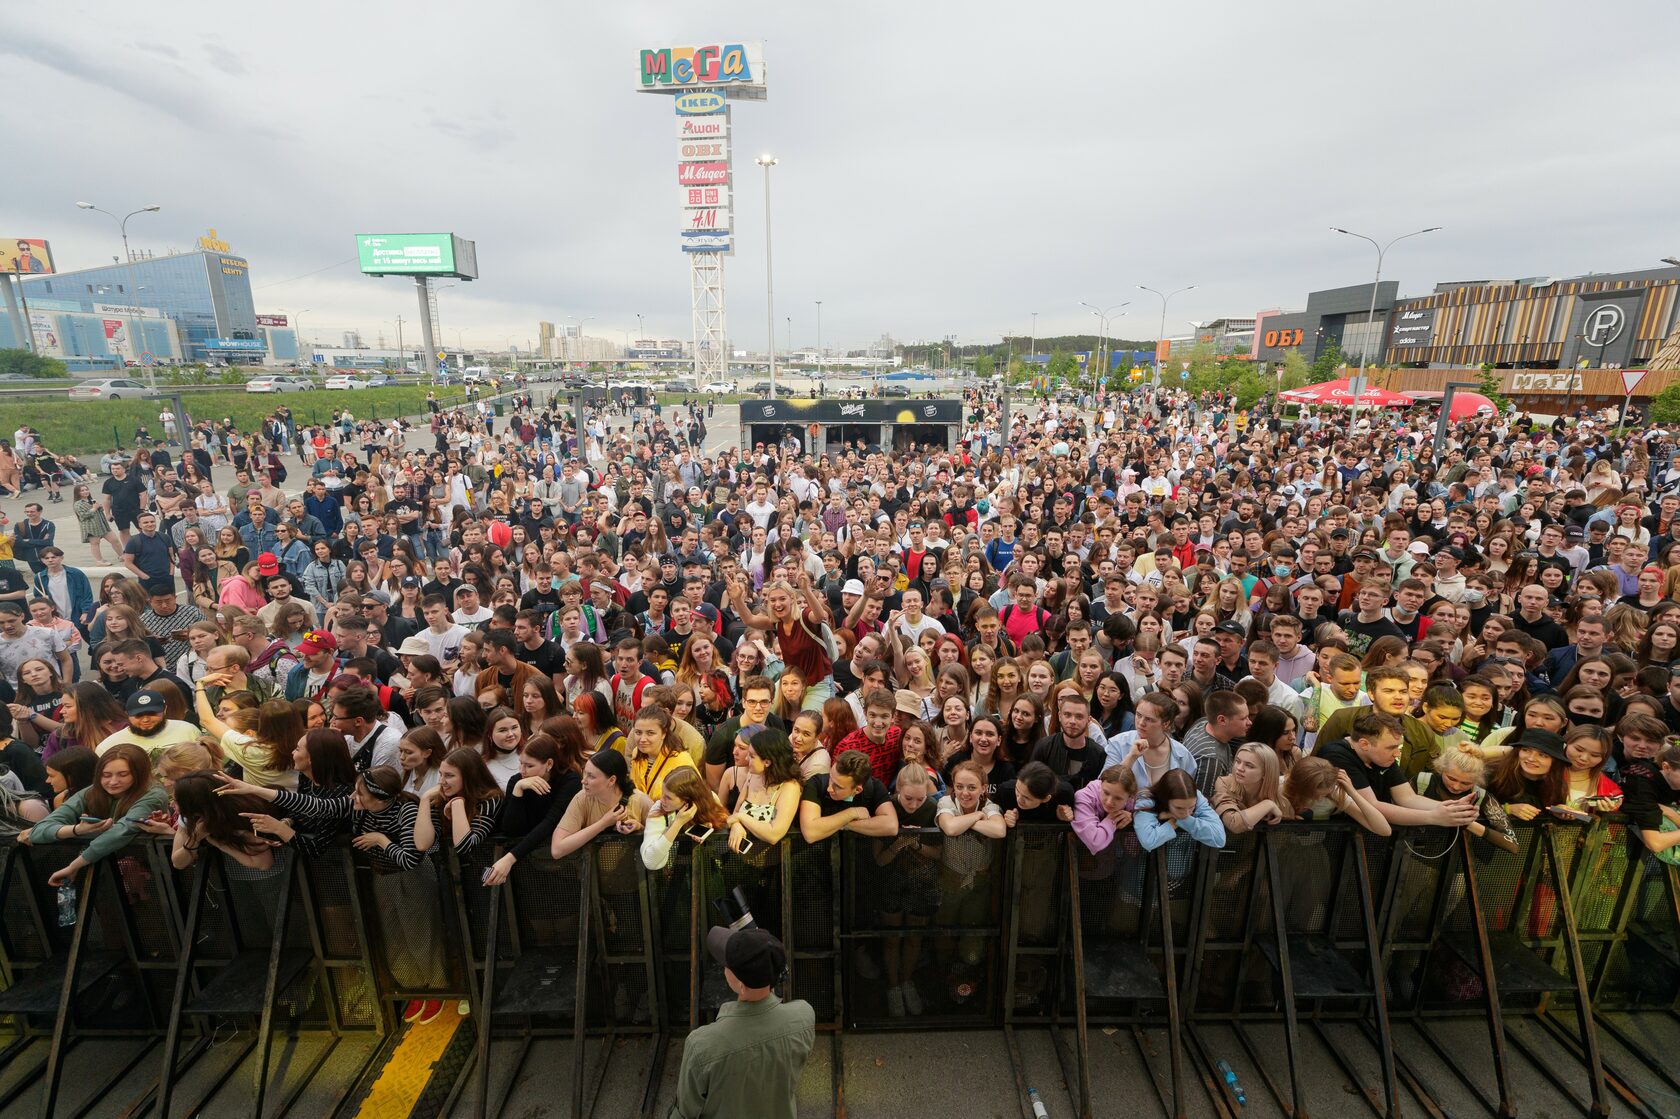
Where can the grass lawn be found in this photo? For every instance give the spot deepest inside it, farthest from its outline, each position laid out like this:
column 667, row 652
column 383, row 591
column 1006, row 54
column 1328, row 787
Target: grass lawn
column 81, row 426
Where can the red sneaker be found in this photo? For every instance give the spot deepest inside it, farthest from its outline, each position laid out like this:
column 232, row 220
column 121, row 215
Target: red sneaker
column 431, row 1010
column 412, row 1010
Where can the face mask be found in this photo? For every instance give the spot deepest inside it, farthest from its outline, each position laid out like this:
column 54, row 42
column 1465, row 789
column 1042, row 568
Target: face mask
column 1281, row 569
column 1587, row 720
column 1474, row 598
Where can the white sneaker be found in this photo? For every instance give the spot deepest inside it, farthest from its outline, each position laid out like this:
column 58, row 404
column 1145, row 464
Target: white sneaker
column 895, row 1002
column 912, row 999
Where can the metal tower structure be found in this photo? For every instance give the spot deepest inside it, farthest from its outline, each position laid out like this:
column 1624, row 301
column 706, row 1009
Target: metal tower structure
column 702, row 82
column 432, row 310
column 711, row 335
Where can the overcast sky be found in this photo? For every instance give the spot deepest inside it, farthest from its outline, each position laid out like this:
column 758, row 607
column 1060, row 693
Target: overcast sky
column 945, row 168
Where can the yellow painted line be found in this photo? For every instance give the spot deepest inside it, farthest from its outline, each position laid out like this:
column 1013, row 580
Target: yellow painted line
column 406, row 1074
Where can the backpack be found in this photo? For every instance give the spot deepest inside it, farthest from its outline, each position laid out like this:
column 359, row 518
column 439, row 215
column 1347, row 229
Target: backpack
column 1039, row 613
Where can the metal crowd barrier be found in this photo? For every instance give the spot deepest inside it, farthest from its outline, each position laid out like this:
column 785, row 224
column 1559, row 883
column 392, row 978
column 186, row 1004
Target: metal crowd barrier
column 1297, row 929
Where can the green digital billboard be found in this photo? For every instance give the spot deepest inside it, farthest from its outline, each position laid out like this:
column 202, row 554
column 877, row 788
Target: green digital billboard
column 416, row 254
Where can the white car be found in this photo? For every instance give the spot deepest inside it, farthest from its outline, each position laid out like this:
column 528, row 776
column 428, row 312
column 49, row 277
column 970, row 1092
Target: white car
column 109, row 388
column 278, row 382
column 718, row 386
column 344, row 382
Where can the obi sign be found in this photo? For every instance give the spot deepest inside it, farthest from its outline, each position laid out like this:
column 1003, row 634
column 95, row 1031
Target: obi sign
column 737, row 68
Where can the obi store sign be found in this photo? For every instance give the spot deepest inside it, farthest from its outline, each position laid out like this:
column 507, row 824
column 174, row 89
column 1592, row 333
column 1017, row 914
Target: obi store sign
column 730, row 64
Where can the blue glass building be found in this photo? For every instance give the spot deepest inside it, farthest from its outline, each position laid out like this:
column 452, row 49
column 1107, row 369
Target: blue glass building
column 206, row 294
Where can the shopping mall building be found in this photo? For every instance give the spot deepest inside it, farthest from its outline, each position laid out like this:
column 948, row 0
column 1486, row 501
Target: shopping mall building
column 193, row 306
column 1546, row 337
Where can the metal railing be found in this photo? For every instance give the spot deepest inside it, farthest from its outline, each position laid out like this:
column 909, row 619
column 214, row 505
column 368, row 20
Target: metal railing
column 1316, row 929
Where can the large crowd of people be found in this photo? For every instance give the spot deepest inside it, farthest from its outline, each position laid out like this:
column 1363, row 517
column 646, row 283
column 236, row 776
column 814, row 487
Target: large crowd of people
column 1143, row 615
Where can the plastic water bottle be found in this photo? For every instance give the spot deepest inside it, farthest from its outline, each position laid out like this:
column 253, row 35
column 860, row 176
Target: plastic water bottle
column 1231, row 1082
column 66, row 906
column 1039, row 1110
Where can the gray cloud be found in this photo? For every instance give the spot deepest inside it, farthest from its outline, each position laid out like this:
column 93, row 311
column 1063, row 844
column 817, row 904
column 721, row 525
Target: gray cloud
column 943, row 170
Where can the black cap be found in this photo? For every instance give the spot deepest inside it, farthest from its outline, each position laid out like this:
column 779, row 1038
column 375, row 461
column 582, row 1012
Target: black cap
column 1546, row 741
column 145, row 703
column 411, row 581
column 1367, row 551
column 1230, row 627
column 1454, row 551
column 756, row 957
column 1573, row 532
column 1339, row 534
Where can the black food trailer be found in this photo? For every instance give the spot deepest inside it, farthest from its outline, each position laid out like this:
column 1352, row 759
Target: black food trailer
column 831, row 425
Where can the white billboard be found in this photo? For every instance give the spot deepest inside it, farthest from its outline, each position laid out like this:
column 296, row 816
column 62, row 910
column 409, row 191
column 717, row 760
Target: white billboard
column 44, row 328
column 696, row 197
column 712, row 127
column 702, row 150
column 712, row 220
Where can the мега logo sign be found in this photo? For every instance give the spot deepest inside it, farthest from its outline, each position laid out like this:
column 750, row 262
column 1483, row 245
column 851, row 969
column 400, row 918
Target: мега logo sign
column 1604, row 325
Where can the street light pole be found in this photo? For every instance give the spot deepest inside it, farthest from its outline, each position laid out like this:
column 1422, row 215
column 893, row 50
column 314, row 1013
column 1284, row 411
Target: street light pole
column 1102, row 337
column 1382, row 250
column 1161, row 334
column 768, row 161
column 819, row 341
column 128, row 258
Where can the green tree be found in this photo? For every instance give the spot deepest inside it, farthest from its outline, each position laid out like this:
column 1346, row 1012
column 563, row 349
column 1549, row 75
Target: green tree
column 1665, row 406
column 1297, row 371
column 32, row 364
column 1488, row 386
column 1328, row 361
column 983, row 365
column 1063, row 368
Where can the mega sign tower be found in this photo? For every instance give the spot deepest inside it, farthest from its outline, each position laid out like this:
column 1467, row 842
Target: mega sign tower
column 702, row 82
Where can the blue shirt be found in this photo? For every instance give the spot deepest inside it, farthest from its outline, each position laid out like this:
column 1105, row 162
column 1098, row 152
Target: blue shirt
column 328, row 510
column 151, row 555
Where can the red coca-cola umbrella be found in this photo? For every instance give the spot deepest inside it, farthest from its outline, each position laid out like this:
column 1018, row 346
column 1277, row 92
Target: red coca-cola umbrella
column 1337, row 393
column 1464, row 405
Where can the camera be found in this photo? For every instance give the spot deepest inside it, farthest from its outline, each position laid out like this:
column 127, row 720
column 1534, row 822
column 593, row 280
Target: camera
column 733, row 911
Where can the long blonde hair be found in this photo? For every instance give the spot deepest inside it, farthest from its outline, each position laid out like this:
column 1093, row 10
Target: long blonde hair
column 1268, row 762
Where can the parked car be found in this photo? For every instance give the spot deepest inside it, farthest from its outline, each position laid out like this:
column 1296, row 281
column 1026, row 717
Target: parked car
column 718, row 386
column 381, row 380
column 344, row 381
column 279, row 382
column 109, row 388
column 762, row 388
column 894, row 390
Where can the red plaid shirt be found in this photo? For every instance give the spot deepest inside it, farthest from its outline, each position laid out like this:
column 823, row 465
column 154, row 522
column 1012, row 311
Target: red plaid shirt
column 885, row 758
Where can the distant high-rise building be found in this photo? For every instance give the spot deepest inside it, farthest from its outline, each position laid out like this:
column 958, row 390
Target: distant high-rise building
column 545, row 339
column 353, row 340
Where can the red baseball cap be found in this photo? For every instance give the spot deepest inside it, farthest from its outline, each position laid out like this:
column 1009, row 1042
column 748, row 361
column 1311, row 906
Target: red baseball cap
column 316, row 641
column 268, row 564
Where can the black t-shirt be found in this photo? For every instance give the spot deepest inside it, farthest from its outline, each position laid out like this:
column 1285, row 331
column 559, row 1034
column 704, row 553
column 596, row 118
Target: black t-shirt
column 720, row 748
column 403, row 505
column 1360, row 634
column 1044, row 813
column 1002, row 773
column 446, row 589
column 545, row 658
column 1344, row 757
column 125, row 493
column 871, row 796
column 923, row 817
column 1084, row 761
